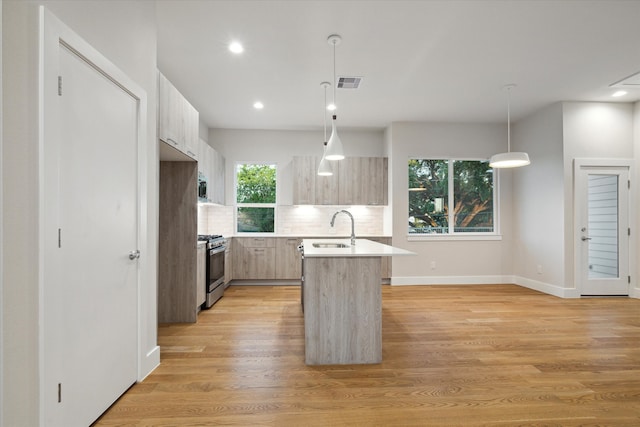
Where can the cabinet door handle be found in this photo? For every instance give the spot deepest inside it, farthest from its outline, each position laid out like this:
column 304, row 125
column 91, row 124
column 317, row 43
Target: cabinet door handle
column 172, row 141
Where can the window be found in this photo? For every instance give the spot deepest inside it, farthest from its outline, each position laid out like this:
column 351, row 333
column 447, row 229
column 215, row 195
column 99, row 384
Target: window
column 445, row 192
column 255, row 198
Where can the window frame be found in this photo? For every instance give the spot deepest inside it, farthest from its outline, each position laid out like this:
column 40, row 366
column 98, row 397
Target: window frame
column 237, row 205
column 452, row 234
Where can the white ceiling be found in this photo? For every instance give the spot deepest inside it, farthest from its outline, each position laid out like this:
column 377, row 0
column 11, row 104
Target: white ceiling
column 421, row 60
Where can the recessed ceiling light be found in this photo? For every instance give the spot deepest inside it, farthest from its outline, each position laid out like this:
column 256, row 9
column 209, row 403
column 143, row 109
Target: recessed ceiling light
column 258, row 105
column 236, row 47
column 619, row 93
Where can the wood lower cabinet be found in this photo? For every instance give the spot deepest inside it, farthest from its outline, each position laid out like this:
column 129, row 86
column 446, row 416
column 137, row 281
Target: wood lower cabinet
column 385, row 268
column 228, row 262
column 254, row 258
column 288, row 258
column 275, row 258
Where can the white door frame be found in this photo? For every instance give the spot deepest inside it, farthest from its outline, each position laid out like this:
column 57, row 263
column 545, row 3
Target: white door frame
column 52, row 33
column 578, row 164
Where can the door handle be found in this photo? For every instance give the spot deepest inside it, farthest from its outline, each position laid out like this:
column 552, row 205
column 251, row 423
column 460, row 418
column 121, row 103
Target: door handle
column 134, row 254
column 584, row 238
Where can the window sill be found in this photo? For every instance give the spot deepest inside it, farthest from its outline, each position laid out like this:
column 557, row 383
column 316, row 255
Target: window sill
column 452, row 237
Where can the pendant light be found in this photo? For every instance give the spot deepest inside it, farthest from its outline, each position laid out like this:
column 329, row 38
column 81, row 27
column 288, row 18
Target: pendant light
column 334, row 145
column 324, row 169
column 509, row 159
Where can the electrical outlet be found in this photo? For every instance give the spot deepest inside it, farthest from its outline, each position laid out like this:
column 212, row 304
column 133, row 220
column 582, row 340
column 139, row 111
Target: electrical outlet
column 433, row 265
column 539, row 269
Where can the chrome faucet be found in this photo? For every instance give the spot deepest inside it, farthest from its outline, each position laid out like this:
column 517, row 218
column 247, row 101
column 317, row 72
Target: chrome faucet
column 353, row 232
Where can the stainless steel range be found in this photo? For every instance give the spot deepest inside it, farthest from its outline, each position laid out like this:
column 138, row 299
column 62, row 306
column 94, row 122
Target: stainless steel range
column 214, row 282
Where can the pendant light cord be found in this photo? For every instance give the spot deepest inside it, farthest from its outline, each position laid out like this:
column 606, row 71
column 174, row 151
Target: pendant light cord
column 325, row 114
column 334, row 74
column 508, row 119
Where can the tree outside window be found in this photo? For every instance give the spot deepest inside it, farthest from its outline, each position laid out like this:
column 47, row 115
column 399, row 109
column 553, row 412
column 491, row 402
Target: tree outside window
column 444, row 192
column 255, row 198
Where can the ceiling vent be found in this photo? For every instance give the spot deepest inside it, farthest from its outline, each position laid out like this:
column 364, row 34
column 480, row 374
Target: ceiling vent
column 349, row 82
column 631, row 82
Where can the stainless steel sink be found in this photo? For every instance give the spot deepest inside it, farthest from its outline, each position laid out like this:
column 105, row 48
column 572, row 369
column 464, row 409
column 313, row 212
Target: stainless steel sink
column 332, row 245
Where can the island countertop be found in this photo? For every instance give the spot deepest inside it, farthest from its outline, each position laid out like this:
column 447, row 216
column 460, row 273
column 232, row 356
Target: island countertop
column 362, row 248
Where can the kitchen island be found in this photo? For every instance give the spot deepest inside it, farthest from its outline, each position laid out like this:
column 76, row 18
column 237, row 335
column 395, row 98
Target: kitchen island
column 342, row 300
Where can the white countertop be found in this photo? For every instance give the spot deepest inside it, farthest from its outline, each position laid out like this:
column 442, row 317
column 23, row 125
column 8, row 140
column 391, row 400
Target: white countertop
column 362, row 248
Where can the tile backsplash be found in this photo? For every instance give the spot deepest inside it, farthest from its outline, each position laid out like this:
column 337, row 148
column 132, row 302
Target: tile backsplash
column 299, row 220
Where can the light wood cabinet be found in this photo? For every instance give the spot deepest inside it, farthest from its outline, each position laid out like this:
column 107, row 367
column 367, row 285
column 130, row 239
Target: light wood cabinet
column 304, row 180
column 326, row 187
column 288, row 260
column 385, row 268
column 201, row 293
column 278, row 258
column 355, row 181
column 178, row 120
column 216, row 191
column 374, row 183
column 351, row 182
column 191, row 127
column 342, row 310
column 228, row 262
column 254, row 258
column 177, row 252
column 363, row 181
column 211, row 164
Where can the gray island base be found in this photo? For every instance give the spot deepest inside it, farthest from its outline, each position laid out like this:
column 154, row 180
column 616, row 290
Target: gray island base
column 343, row 301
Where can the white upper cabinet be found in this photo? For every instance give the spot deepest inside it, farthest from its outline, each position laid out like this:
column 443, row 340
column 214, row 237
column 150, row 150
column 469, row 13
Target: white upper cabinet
column 178, row 120
column 211, row 165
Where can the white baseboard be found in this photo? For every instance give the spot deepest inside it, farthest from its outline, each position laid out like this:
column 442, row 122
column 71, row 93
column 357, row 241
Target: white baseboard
column 543, row 287
column 547, row 288
column 149, row 363
column 450, row 280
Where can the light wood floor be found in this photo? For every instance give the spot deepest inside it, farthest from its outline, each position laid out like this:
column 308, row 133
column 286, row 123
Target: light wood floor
column 497, row 355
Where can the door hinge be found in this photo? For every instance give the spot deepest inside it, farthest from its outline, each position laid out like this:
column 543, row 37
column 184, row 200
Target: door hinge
column 629, row 231
column 59, row 392
column 628, row 279
column 59, row 237
column 59, row 85
column 628, row 183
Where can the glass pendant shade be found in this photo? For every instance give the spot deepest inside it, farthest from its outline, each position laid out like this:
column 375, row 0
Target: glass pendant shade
column 334, row 146
column 324, row 168
column 512, row 159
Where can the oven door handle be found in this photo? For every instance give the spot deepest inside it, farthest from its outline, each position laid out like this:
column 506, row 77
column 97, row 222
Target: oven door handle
column 217, row 250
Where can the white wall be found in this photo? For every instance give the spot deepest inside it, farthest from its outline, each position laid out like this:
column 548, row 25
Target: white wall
column 133, row 49
column 591, row 130
column 1, row 226
column 538, row 202
column 280, row 146
column 636, row 192
column 485, row 261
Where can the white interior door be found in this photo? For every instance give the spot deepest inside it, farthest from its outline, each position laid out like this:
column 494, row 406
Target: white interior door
column 603, row 230
column 90, row 281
